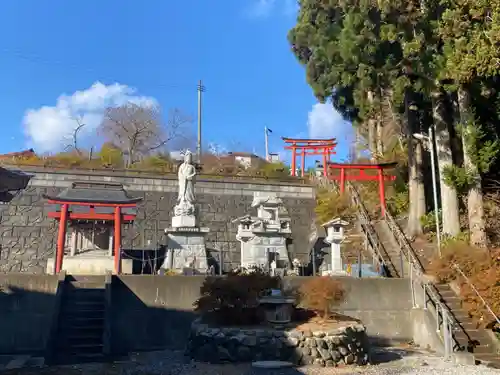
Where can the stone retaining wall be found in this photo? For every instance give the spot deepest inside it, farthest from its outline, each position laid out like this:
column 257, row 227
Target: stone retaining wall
column 342, row 346
column 28, row 236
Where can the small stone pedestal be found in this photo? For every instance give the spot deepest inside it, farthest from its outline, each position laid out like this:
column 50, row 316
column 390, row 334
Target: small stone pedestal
column 186, row 246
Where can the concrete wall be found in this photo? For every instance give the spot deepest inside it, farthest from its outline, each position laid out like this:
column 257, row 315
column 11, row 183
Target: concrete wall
column 27, row 304
column 28, row 236
column 152, row 312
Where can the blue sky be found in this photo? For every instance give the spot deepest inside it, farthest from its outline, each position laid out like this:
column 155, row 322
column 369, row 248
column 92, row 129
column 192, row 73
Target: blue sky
column 63, row 57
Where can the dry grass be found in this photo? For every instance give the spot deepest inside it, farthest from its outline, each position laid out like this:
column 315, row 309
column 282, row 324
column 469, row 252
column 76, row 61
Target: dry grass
column 482, row 268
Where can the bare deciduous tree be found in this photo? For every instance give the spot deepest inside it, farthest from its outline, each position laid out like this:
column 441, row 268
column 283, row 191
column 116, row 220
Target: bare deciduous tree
column 139, row 130
column 71, row 140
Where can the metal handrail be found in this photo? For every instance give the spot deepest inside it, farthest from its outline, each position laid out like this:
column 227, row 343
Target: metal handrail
column 449, row 321
column 429, row 289
column 362, row 216
column 457, row 267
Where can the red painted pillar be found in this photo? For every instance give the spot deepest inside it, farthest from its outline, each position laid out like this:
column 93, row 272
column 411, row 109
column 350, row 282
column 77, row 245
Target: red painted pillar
column 302, row 163
column 117, row 239
column 294, row 155
column 381, row 190
column 342, row 180
column 325, row 164
column 61, row 238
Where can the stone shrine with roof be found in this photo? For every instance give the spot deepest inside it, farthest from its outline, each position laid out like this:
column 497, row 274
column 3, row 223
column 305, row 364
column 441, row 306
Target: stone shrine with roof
column 91, row 215
column 264, row 238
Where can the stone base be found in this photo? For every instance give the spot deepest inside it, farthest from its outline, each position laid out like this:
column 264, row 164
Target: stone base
column 186, row 249
column 346, row 345
column 184, row 221
column 90, row 265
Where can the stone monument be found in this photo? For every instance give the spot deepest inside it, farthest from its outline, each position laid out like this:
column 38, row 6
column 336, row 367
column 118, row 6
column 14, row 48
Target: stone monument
column 185, row 239
column 334, row 237
column 264, row 238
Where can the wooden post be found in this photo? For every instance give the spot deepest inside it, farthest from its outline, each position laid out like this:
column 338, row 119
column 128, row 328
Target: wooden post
column 325, row 166
column 61, row 238
column 381, row 190
column 294, row 155
column 117, row 239
column 302, row 163
column 342, row 180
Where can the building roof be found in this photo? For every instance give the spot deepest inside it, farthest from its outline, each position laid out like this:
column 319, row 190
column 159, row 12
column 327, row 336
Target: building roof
column 19, row 154
column 12, row 180
column 94, row 192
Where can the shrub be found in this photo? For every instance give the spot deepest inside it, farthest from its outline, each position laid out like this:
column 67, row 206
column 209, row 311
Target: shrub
column 233, row 300
column 330, row 205
column 321, row 294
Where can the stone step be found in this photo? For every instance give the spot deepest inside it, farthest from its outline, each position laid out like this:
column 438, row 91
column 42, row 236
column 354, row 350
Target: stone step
column 84, row 339
column 73, row 313
column 72, row 330
column 71, row 359
column 490, row 360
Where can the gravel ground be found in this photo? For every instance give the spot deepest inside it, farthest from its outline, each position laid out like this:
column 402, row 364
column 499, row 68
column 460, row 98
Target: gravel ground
column 392, row 361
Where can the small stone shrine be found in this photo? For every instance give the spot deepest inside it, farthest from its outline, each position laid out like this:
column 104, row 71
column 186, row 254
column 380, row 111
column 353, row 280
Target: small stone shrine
column 185, row 239
column 264, row 238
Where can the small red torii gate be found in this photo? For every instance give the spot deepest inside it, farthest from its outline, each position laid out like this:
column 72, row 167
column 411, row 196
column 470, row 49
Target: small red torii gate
column 362, row 176
column 324, row 147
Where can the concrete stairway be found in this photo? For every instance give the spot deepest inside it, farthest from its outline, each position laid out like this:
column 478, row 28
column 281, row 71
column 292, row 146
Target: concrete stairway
column 394, row 259
column 81, row 321
column 475, row 340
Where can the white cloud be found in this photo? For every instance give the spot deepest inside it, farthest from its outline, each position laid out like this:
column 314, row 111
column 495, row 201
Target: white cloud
column 45, row 127
column 323, row 121
column 265, row 8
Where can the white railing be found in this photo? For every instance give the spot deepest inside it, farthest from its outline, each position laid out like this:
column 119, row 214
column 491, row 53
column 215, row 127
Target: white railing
column 485, row 304
column 446, row 323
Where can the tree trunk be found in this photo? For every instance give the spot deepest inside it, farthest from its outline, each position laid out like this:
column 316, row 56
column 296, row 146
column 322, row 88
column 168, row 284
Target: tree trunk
column 380, row 137
column 372, row 131
column 475, row 206
column 416, row 193
column 449, row 198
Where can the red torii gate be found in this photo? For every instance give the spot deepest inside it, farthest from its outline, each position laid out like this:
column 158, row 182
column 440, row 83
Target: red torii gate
column 324, row 147
column 362, row 176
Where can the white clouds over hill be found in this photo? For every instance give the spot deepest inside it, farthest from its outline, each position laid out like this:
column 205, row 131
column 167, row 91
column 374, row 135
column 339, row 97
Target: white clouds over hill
column 47, row 126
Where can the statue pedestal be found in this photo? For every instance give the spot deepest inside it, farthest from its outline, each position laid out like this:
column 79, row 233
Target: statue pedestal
column 184, row 221
column 186, row 248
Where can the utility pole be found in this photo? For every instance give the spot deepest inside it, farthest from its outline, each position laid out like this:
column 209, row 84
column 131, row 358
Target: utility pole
column 266, row 134
column 201, row 89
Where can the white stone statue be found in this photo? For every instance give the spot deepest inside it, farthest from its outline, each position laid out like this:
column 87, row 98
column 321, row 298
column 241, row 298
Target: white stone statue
column 186, row 175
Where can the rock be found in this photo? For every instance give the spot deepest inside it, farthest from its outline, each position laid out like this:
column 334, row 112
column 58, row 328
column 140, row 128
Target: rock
column 343, row 350
column 319, row 334
column 336, row 356
column 308, row 334
column 314, row 353
column 306, row 360
column 244, row 354
column 320, row 343
column 330, row 363
column 296, row 334
column 349, row 359
column 249, row 341
column 290, row 341
column 305, row 351
column 336, row 340
column 319, row 362
column 311, row 342
column 223, row 354
column 325, row 354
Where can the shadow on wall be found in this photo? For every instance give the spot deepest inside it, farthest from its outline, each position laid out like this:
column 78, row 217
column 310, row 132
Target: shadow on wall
column 27, row 307
column 152, row 312
column 155, row 312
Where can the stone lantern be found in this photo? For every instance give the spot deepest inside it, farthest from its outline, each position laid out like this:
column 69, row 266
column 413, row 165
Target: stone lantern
column 334, row 237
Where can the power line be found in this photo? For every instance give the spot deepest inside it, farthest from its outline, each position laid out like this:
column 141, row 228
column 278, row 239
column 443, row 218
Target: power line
column 36, row 59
